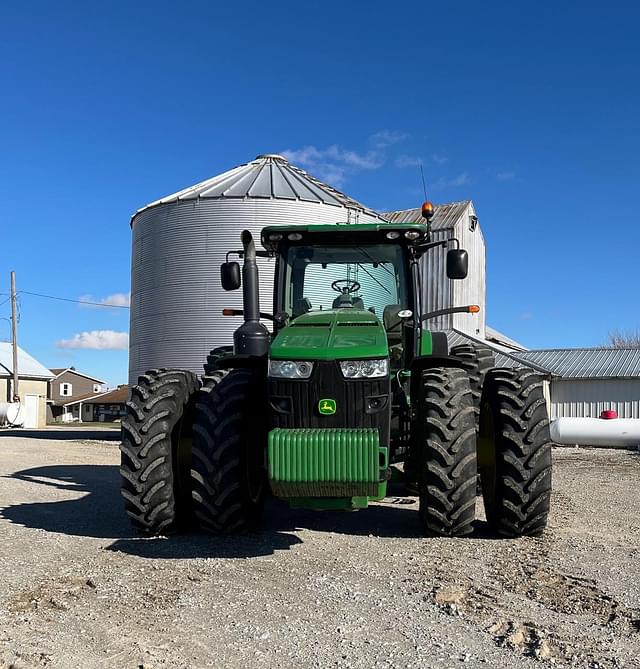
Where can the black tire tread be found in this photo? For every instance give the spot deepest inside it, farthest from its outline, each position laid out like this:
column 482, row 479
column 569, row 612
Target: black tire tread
column 155, row 408
column 225, row 414
column 476, row 361
column 214, row 355
column 522, row 498
column 447, row 454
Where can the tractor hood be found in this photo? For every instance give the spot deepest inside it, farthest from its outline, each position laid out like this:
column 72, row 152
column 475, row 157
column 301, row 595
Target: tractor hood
column 336, row 334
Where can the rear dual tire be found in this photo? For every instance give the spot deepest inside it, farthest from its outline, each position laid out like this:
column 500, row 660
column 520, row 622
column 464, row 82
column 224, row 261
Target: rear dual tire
column 514, row 452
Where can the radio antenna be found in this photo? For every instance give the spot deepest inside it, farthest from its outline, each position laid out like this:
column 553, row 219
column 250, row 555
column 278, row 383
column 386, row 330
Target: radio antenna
column 424, row 185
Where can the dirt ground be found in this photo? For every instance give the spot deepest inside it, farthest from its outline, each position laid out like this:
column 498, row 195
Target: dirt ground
column 79, row 588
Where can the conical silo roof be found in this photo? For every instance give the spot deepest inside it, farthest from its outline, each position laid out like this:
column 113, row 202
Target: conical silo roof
column 269, row 176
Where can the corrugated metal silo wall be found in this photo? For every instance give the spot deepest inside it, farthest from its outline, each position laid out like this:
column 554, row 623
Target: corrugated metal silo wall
column 439, row 292
column 176, row 297
column 588, row 398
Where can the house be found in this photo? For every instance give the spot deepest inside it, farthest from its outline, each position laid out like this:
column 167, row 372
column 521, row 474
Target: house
column 33, row 379
column 66, row 386
column 105, row 407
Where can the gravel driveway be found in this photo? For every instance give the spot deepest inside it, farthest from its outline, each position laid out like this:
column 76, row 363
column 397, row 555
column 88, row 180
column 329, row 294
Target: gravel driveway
column 79, row 588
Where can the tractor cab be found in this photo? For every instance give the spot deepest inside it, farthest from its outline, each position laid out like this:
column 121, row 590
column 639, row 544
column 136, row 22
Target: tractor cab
column 351, row 269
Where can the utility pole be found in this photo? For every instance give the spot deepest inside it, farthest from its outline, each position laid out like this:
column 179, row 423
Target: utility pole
column 14, row 337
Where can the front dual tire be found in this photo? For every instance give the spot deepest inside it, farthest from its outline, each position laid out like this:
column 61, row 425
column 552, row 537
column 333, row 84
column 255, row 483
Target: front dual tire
column 228, row 465
column 193, row 451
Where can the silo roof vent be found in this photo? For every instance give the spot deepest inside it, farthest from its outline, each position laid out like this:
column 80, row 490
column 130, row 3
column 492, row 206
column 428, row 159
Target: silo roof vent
column 269, row 176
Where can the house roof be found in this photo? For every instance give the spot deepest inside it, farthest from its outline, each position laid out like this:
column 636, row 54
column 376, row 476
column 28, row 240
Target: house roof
column 579, row 363
column 27, row 365
column 117, row 396
column 80, row 398
column 269, row 176
column 445, row 215
column 58, row 371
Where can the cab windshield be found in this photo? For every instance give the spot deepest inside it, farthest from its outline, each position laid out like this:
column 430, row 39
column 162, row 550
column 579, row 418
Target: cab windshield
column 355, row 277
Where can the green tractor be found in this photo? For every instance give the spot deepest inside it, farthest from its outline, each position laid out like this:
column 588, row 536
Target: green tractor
column 349, row 384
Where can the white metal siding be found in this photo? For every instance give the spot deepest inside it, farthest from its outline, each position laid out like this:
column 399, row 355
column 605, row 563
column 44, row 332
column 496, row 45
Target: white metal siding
column 177, row 249
column 587, row 398
column 471, row 290
column 439, row 292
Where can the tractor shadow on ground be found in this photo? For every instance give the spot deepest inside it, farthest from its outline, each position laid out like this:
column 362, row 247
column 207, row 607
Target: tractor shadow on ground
column 64, row 434
column 94, row 510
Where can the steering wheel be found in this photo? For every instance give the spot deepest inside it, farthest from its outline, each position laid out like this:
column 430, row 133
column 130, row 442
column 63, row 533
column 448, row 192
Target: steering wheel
column 350, row 286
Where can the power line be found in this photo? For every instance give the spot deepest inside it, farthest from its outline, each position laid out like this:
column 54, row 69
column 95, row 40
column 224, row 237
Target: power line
column 66, row 299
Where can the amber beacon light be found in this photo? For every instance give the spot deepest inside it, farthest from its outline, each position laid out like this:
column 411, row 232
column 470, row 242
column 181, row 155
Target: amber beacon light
column 427, row 210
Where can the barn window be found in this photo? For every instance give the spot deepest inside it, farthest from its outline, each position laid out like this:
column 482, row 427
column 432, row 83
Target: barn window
column 66, row 389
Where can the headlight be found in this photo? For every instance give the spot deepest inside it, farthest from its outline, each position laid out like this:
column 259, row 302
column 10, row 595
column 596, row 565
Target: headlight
column 364, row 369
column 290, row 369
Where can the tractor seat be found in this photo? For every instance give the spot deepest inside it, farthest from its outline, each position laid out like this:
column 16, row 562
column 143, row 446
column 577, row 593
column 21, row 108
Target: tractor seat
column 346, row 301
column 302, row 306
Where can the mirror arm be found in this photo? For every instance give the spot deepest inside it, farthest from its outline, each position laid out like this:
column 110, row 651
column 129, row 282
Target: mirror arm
column 432, row 245
column 259, row 254
column 240, row 312
column 468, row 309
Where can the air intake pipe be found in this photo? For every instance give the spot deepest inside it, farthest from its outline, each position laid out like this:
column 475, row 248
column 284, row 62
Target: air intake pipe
column 252, row 337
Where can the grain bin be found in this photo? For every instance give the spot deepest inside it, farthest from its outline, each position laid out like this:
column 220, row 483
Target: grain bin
column 179, row 241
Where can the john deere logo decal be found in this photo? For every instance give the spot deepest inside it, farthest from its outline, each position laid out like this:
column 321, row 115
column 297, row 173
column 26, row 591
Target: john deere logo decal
column 327, row 407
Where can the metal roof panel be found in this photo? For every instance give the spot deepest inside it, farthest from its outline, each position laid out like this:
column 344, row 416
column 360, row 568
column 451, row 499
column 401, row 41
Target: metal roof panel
column 269, row 176
column 27, row 366
column 445, row 215
column 588, row 362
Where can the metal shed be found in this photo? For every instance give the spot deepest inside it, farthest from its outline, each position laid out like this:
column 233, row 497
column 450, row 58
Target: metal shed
column 452, row 220
column 586, row 381
column 580, row 382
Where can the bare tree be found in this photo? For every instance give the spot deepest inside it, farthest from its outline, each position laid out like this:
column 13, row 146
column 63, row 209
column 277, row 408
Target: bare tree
column 624, row 339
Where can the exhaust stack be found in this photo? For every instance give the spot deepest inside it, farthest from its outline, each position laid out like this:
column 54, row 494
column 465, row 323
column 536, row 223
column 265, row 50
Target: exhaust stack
column 252, row 337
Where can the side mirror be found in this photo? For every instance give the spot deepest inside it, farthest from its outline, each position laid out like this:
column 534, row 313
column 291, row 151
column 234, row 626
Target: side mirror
column 457, row 264
column 230, row 275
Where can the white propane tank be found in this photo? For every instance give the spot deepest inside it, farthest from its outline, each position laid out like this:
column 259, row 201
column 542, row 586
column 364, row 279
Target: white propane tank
column 11, row 413
column 596, row 431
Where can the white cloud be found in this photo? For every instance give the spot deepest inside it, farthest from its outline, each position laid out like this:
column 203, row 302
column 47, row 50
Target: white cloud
column 526, row 316
column 115, row 300
column 505, row 176
column 97, row 339
column 443, row 182
column 334, row 163
column 384, row 138
column 439, row 159
column 408, row 161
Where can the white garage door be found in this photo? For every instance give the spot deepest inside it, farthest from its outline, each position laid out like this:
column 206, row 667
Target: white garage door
column 31, row 411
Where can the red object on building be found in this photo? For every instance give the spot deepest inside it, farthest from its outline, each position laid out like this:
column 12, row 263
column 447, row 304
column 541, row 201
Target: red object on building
column 608, row 414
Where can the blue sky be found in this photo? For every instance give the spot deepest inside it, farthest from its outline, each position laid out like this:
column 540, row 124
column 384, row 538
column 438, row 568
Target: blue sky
column 530, row 109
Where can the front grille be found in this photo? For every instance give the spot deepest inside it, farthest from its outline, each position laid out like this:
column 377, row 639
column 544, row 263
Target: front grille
column 295, row 402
